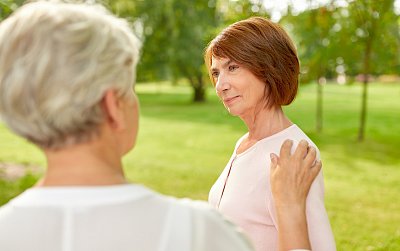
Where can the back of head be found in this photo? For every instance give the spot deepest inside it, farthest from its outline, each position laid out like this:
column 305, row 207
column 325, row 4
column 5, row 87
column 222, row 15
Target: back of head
column 266, row 50
column 56, row 62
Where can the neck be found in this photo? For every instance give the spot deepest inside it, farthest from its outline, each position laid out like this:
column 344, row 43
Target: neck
column 87, row 164
column 265, row 122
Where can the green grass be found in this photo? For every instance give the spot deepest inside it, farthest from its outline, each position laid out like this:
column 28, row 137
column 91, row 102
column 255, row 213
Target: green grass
column 10, row 189
column 182, row 147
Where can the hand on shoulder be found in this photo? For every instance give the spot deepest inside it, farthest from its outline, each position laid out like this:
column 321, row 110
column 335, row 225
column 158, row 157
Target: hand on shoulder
column 292, row 174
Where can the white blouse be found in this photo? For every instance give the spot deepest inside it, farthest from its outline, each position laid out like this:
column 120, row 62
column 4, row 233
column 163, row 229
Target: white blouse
column 112, row 218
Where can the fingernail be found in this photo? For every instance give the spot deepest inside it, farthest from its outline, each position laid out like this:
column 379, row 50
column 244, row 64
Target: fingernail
column 289, row 141
column 272, row 156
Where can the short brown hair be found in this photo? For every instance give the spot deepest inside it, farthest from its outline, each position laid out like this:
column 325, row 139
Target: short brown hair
column 266, row 50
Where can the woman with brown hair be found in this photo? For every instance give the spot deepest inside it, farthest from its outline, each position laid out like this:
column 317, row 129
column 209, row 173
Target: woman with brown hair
column 254, row 67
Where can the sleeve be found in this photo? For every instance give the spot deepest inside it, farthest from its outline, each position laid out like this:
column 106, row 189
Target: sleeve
column 319, row 229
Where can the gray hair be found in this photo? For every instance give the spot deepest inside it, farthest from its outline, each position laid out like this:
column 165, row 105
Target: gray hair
column 56, row 62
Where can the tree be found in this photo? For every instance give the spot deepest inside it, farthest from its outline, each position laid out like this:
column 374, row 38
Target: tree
column 150, row 22
column 174, row 35
column 191, row 22
column 370, row 25
column 315, row 34
column 346, row 39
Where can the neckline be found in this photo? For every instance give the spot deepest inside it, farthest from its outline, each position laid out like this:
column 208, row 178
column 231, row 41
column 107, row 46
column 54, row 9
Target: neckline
column 80, row 195
column 254, row 146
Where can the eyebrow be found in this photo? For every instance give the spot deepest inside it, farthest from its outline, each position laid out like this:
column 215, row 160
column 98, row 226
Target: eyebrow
column 223, row 65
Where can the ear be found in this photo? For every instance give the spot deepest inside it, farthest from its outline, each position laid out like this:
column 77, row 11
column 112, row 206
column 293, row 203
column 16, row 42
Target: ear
column 113, row 110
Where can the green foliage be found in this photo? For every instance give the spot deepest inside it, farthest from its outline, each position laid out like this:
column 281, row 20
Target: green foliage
column 334, row 40
column 174, row 34
column 372, row 37
column 6, row 8
column 233, row 11
column 316, row 37
column 191, row 21
column 363, row 37
column 153, row 18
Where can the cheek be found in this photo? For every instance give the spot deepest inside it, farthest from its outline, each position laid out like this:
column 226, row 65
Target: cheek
column 261, row 95
column 134, row 119
column 260, row 91
column 220, row 98
column 135, row 115
column 132, row 132
column 254, row 96
column 217, row 92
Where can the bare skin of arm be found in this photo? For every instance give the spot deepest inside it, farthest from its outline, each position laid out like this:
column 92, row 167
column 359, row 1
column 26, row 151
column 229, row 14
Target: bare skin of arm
column 291, row 179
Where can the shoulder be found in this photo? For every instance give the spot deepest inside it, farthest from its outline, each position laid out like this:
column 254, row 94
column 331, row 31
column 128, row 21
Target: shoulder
column 4, row 211
column 274, row 142
column 296, row 134
column 201, row 212
column 211, row 231
column 241, row 139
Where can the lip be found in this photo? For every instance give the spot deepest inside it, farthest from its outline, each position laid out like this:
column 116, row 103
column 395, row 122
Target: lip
column 230, row 100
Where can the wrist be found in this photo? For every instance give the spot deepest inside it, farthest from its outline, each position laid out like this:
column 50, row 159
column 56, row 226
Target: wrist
column 292, row 226
column 299, row 206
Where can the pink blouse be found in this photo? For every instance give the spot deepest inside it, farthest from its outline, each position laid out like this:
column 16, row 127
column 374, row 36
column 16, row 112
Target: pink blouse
column 242, row 193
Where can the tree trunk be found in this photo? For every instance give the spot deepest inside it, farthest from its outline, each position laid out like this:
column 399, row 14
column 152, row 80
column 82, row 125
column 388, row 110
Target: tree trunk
column 199, row 94
column 319, row 105
column 197, row 83
column 363, row 117
column 199, row 91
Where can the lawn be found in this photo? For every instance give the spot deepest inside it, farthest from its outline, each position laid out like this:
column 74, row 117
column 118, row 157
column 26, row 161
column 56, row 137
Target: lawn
column 182, row 147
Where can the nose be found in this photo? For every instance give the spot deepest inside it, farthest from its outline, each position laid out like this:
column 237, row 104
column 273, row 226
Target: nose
column 222, row 84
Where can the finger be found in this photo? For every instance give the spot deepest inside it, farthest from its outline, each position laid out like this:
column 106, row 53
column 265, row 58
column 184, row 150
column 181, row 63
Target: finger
column 274, row 161
column 316, row 168
column 285, row 148
column 309, row 160
column 301, row 149
column 314, row 172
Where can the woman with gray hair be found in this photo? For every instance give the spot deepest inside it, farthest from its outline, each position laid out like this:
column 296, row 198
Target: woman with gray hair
column 66, row 76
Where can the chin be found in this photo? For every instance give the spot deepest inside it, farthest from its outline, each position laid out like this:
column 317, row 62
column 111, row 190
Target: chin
column 233, row 112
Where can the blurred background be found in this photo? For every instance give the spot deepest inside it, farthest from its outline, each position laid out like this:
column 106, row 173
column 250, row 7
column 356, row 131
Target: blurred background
column 348, row 103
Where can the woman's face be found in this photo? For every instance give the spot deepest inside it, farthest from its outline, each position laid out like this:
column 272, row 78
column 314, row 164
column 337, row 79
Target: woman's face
column 239, row 89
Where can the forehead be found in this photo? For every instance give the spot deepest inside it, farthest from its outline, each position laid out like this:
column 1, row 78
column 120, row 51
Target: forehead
column 217, row 62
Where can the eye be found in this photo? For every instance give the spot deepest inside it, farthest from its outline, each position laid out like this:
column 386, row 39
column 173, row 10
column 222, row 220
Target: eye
column 215, row 74
column 233, row 67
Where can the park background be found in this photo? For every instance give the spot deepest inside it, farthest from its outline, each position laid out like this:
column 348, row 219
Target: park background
column 348, row 103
